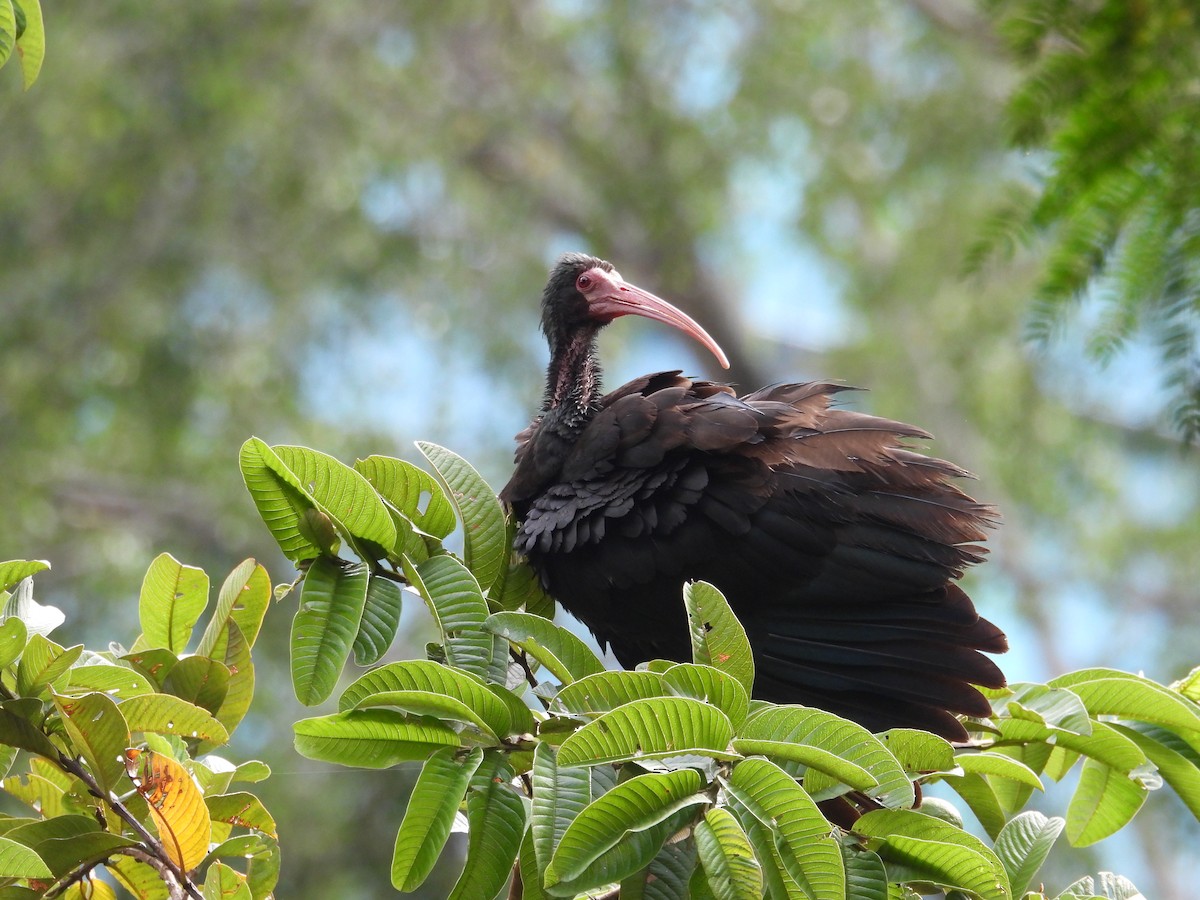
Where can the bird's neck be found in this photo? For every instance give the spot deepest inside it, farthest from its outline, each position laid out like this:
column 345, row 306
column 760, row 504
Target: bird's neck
column 573, row 382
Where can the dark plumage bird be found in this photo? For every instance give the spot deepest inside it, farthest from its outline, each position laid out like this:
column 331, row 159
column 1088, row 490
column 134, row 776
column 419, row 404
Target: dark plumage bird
column 837, row 546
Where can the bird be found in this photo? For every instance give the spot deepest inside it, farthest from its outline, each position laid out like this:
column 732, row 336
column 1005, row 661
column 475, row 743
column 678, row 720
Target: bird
column 836, row 543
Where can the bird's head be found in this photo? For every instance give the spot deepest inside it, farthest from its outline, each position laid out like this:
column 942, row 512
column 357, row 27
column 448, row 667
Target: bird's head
column 585, row 293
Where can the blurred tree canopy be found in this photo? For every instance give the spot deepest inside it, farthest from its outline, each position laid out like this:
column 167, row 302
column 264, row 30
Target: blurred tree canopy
column 328, row 223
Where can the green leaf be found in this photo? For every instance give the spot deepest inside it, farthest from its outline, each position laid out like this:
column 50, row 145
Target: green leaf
column 68, row 842
column 866, row 877
column 240, row 687
column 456, row 602
column 172, row 599
column 8, row 30
column 331, row 607
column 711, row 686
column 17, row 570
column 1023, row 845
column 1111, row 887
column 840, row 737
column 199, row 680
column 170, row 715
column 415, row 676
column 31, row 45
column 1113, row 693
column 919, row 751
column 778, row 883
column 380, row 620
column 371, row 738
column 430, row 814
column 518, row 586
column 935, row 851
column 654, row 728
column 16, row 730
column 484, row 546
column 728, row 859
column 242, row 810
column 18, row 861
column 97, row 732
column 405, row 486
column 1103, row 803
column 1176, row 760
column 630, row 807
column 841, row 770
column 799, row 831
column 999, row 766
column 120, row 682
column 13, row 637
column 560, row 651
column 531, row 877
column 495, row 823
column 603, row 691
column 44, row 663
column 243, row 599
column 668, row 874
column 718, row 638
column 981, row 797
column 281, row 500
column 559, row 795
column 224, row 883
column 1104, row 744
column 342, row 494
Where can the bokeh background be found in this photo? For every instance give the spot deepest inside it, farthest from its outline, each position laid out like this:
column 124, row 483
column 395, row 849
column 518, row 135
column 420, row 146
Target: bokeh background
column 329, row 224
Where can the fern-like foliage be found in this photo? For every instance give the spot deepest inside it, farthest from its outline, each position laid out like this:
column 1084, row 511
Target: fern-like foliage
column 1112, row 90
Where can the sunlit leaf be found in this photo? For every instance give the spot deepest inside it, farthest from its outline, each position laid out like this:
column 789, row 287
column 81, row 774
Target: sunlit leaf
column 224, row 883
column 416, row 494
column 484, row 546
column 120, row 682
column 430, row 813
column 417, row 676
column 1114, row 693
column 718, row 638
column 331, row 607
column 243, row 599
column 602, row 691
column 1177, row 761
column 1103, row 803
column 38, row 618
column 939, row 852
column 560, row 651
column 173, row 597
column 240, row 810
column 654, row 728
column 176, row 805
column 13, row 637
column 17, row 570
column 370, row 738
column 631, row 806
column 456, row 602
column 31, row 45
column 844, row 739
column 98, row 733
column 199, row 680
column 170, row 715
column 280, row 498
column 725, row 852
column 43, row 663
column 919, row 751
column 799, row 831
column 710, row 685
column 1023, row 845
column 341, row 493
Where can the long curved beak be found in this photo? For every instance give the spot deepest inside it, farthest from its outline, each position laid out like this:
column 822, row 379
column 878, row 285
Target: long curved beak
column 624, row 299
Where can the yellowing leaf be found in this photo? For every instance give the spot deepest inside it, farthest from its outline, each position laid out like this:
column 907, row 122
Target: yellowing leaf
column 176, row 804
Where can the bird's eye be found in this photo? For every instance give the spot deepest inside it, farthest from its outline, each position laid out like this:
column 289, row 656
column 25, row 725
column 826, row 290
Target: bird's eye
column 583, row 282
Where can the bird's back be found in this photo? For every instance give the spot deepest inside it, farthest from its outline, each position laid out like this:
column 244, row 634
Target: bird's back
column 837, row 546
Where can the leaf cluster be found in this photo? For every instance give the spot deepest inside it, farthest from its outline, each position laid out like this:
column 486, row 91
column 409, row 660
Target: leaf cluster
column 120, row 776
column 669, row 781
column 1109, row 91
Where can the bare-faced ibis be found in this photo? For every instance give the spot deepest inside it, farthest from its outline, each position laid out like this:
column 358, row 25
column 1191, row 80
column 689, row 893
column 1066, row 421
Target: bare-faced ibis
column 836, row 544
